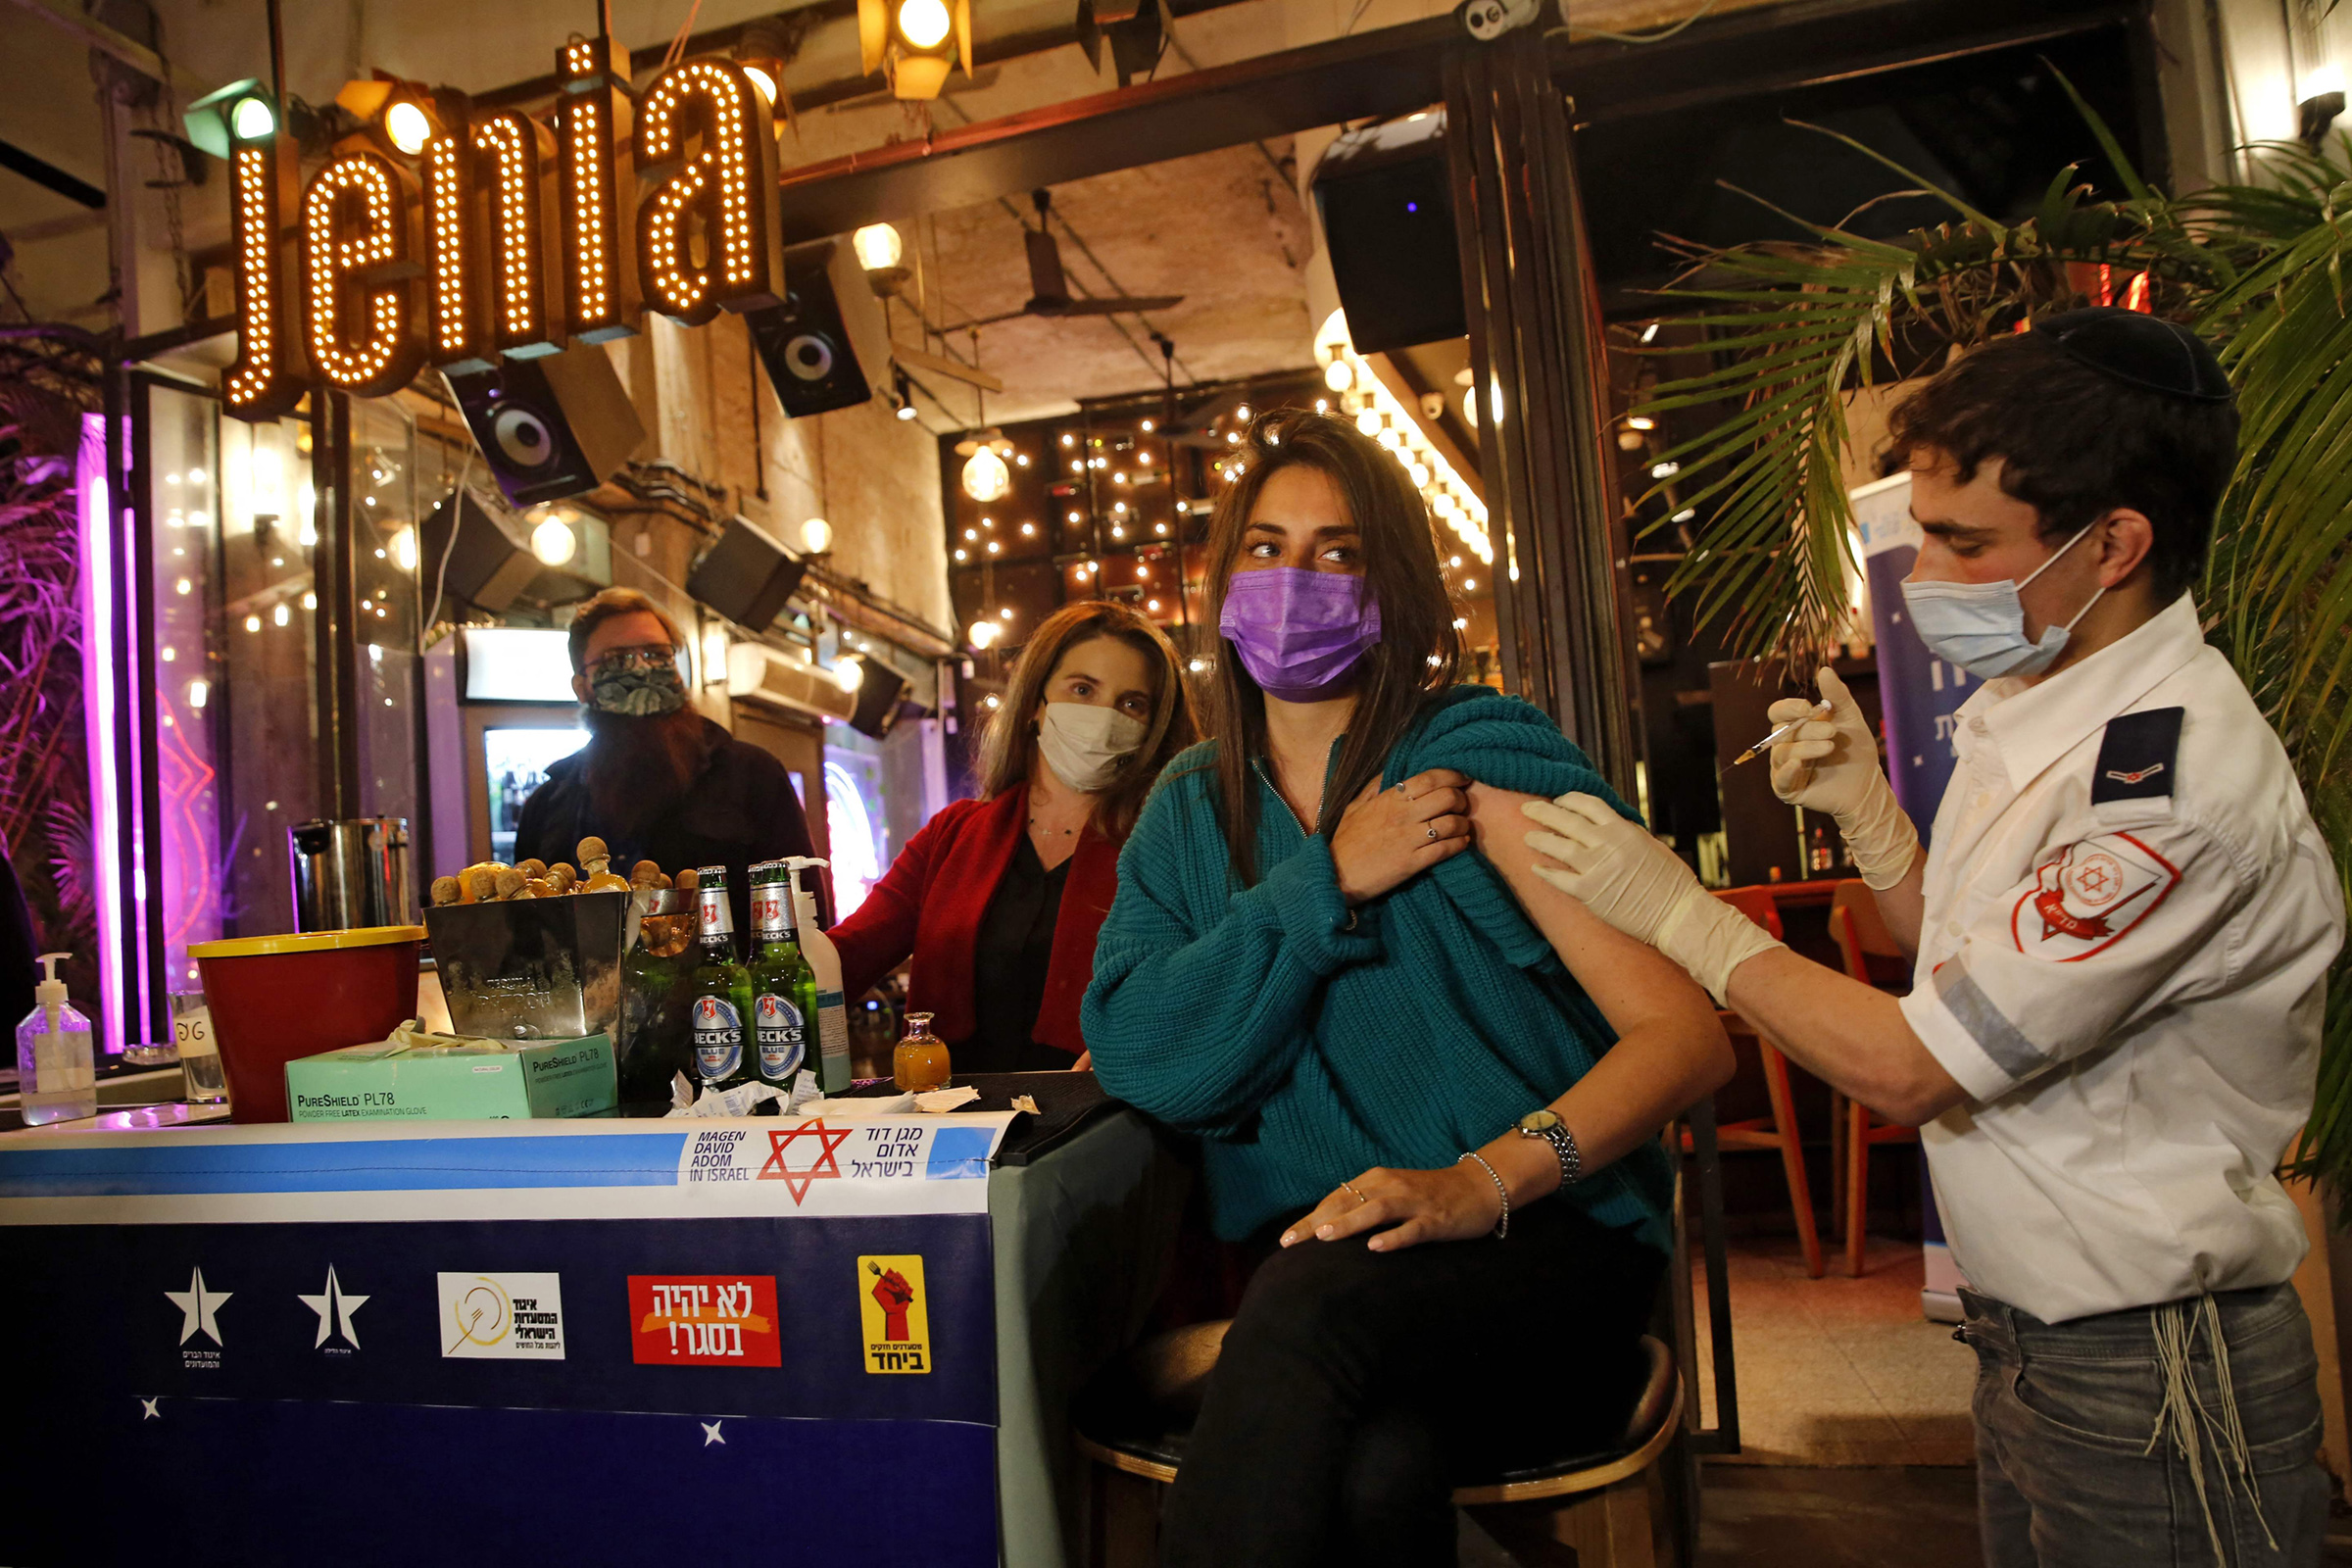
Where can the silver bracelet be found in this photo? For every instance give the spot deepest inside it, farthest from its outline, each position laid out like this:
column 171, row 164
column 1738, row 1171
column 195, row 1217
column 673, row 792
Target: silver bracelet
column 1502, row 1226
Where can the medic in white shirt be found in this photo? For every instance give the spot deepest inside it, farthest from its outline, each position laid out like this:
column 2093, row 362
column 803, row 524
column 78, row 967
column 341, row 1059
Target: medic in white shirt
column 2123, row 935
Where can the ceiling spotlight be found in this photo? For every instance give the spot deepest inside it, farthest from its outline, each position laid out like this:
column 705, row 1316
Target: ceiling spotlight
column 239, row 112
column 407, row 128
column 816, row 536
column 849, row 674
column 914, row 43
column 761, row 79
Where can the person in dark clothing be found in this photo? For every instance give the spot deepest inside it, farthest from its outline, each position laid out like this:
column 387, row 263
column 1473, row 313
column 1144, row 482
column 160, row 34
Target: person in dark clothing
column 656, row 781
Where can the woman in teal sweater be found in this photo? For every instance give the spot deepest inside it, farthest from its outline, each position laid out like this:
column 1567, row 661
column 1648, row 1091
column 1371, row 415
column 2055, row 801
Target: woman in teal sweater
column 1393, row 1053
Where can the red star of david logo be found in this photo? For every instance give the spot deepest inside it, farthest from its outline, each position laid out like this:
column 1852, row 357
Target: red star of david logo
column 823, row 1168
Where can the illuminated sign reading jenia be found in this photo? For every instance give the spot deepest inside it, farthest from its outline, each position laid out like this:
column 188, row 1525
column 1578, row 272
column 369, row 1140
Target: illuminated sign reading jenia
column 502, row 241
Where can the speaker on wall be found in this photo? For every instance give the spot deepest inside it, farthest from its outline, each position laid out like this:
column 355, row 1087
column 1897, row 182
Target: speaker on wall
column 826, row 346
column 489, row 562
column 550, row 427
column 878, row 698
column 1386, row 206
column 745, row 575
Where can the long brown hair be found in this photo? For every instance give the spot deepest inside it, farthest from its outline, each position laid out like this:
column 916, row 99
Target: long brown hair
column 1005, row 748
column 1418, row 651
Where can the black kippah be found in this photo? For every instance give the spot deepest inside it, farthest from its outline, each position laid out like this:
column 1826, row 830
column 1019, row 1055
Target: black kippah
column 2157, row 356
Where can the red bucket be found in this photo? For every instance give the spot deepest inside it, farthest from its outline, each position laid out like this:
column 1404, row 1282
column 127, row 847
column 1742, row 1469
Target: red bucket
column 273, row 999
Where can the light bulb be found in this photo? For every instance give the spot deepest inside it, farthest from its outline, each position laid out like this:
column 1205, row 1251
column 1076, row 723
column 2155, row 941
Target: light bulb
column 253, row 623
column 877, row 245
column 816, row 536
column 1006, row 613
column 404, row 549
column 280, row 615
column 1470, row 407
column 407, row 128
column 923, row 22
column 554, row 542
column 762, row 81
column 252, row 119
column 849, row 675
column 981, row 634
column 200, row 692
column 1338, row 375
column 1368, row 421
column 985, row 475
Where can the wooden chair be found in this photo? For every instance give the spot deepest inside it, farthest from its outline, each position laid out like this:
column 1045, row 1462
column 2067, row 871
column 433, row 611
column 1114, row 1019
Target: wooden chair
column 1610, row 1509
column 1873, row 956
column 1780, row 1130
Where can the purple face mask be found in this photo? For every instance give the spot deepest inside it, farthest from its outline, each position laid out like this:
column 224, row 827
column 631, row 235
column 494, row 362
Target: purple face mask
column 1300, row 632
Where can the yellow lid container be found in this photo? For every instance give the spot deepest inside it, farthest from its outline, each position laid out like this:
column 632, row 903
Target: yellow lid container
column 370, row 936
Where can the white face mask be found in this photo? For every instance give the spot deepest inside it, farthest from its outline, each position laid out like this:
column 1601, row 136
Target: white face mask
column 1084, row 745
column 1980, row 626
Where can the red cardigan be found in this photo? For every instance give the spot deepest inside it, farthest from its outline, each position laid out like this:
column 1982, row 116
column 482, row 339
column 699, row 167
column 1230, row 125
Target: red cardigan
column 932, row 899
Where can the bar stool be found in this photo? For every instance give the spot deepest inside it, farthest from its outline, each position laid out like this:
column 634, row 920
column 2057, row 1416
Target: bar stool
column 1780, row 1130
column 1590, row 1510
column 1873, row 956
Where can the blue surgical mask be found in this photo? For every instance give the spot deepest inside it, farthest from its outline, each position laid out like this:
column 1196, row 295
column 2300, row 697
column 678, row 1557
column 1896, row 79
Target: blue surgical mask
column 1980, row 626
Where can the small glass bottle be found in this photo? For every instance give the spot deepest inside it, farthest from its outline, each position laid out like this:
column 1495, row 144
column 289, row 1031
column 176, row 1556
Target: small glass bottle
column 920, row 1060
column 57, row 1076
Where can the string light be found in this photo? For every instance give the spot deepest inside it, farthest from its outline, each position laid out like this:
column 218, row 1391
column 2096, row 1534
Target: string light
column 383, row 356
column 730, row 179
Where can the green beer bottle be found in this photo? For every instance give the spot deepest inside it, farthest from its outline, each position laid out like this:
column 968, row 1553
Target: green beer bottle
column 720, row 991
column 783, row 985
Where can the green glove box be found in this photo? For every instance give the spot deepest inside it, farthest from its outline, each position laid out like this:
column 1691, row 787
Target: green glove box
column 474, row 1082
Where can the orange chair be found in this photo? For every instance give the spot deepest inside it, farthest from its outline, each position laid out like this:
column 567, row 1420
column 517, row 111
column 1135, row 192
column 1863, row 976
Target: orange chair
column 1873, row 956
column 1779, row 1131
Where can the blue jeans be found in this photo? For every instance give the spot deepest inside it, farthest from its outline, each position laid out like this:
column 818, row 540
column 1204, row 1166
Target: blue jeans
column 2132, row 1439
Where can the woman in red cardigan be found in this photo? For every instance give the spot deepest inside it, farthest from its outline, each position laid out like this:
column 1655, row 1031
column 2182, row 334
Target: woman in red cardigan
column 1000, row 899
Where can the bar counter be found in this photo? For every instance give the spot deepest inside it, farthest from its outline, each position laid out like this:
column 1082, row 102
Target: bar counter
column 600, row 1341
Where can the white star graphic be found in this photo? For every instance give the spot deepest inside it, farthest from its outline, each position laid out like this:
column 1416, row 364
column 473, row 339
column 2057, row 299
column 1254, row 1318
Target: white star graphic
column 198, row 1306
column 336, row 1308
column 148, row 1410
column 710, row 1433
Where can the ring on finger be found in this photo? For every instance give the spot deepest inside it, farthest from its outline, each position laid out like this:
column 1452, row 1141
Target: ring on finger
column 1352, row 1192
column 1433, row 833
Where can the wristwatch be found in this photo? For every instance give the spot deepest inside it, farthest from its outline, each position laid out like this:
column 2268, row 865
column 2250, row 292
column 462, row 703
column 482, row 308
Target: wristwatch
column 1545, row 1125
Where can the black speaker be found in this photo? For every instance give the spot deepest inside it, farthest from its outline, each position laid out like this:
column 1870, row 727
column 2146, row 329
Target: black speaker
column 878, row 698
column 1388, row 223
column 550, row 427
column 745, row 575
column 488, row 564
column 825, row 345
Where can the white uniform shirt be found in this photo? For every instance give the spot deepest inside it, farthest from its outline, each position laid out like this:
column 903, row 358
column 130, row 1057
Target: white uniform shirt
column 2130, row 989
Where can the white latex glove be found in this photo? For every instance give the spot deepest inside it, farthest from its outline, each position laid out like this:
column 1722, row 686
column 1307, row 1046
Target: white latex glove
column 1832, row 765
column 1642, row 888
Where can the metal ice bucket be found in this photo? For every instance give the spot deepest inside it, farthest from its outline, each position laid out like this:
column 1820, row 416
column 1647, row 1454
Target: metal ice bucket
column 350, row 874
column 532, row 968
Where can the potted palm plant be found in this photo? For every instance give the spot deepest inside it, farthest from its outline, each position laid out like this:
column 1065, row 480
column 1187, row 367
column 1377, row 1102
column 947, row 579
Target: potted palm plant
column 1795, row 330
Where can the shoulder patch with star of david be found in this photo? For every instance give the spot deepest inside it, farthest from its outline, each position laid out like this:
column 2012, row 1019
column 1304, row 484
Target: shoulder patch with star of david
column 2088, row 896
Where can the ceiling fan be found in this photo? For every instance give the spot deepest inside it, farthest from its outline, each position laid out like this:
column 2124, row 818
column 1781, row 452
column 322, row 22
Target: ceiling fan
column 1049, row 288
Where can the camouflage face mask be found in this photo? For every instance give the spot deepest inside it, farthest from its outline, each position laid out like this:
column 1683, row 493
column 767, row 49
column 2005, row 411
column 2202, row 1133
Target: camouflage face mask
column 637, row 692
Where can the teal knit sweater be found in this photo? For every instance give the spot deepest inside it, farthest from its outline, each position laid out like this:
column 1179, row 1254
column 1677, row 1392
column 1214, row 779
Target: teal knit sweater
column 1304, row 1054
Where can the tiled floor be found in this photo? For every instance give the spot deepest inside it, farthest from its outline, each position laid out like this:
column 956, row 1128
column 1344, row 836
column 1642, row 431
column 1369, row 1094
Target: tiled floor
column 1838, row 1371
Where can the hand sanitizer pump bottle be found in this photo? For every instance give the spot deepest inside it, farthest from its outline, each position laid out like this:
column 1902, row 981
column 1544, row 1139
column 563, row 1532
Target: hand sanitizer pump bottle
column 56, row 1074
column 832, row 1032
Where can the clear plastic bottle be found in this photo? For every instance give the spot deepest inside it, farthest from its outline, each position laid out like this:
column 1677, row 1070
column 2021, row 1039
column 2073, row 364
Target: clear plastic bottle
column 56, row 1074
